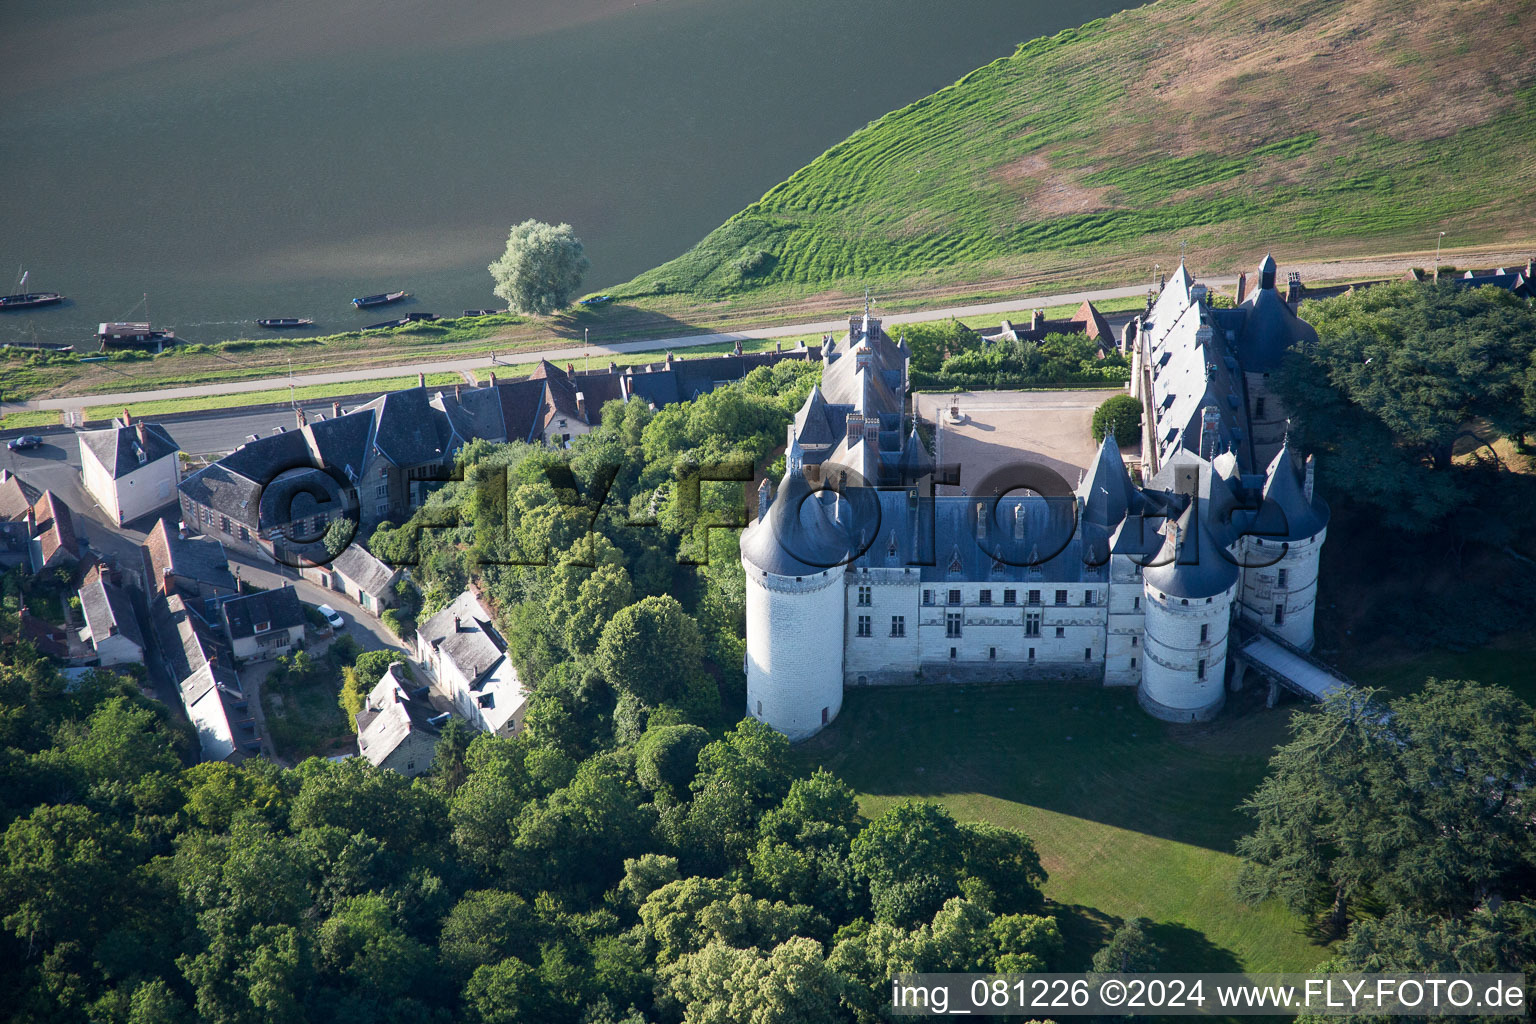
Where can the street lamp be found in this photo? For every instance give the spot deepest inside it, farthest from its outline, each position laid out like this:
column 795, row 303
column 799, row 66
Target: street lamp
column 1437, row 255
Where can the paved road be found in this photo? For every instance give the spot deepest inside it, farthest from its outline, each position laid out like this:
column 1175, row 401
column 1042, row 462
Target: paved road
column 570, row 353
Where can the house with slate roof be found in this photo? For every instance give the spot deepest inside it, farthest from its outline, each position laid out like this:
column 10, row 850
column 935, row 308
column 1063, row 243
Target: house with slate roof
column 131, row 469
column 856, row 575
column 398, row 728
column 465, row 653
column 52, row 526
column 1087, row 321
column 196, row 657
column 360, row 576
column 111, row 624
column 263, row 624
column 381, row 460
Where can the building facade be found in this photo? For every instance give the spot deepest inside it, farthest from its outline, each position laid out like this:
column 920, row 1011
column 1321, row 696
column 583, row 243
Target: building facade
column 131, row 469
column 858, row 575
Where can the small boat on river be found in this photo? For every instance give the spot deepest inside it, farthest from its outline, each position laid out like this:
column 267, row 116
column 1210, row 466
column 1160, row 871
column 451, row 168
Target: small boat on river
column 280, row 322
column 381, row 299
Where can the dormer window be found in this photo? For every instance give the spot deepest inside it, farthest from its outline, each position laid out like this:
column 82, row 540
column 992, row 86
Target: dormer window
column 262, row 627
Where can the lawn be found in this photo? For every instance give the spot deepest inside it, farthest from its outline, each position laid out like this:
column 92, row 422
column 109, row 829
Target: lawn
column 248, row 398
column 31, row 418
column 1132, row 817
column 299, row 703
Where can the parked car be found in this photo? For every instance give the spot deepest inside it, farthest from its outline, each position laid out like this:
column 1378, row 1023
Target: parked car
column 24, row 442
column 333, row 617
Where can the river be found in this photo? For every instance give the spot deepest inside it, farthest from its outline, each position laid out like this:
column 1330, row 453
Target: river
column 236, row 159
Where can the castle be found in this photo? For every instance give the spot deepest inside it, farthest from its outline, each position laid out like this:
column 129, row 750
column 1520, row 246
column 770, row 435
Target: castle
column 857, row 574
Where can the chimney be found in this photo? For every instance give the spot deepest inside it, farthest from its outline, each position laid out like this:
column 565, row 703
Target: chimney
column 31, row 522
column 1293, row 290
column 458, row 392
column 421, row 380
column 981, row 520
column 299, row 414
column 613, row 367
column 335, row 410
column 581, row 405
column 570, row 369
column 669, row 359
column 1530, row 270
column 763, row 499
column 778, row 346
column 455, row 623
column 127, row 417
column 736, row 348
column 1018, row 521
column 626, row 386
column 143, row 435
column 1307, row 474
column 1242, row 287
column 1210, row 424
column 492, row 378
column 1037, row 320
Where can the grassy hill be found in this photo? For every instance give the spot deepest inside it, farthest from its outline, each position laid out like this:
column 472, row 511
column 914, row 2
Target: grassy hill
column 1316, row 127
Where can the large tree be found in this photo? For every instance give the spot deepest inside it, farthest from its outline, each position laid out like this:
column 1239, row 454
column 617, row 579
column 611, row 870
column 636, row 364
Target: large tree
column 650, row 648
column 1398, row 374
column 541, row 268
column 1419, row 804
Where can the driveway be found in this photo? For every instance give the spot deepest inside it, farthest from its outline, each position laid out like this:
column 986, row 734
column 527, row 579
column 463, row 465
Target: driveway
column 370, row 633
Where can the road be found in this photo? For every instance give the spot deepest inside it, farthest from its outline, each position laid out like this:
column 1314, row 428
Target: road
column 569, row 353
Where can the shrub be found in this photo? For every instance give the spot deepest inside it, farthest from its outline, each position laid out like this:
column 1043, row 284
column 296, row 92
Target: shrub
column 1121, row 416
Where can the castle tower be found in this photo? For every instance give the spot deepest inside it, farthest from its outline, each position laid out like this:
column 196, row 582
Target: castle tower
column 1280, row 552
column 792, row 557
column 1188, row 592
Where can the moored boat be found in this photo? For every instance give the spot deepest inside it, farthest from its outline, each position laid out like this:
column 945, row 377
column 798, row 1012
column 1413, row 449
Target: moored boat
column 277, row 322
column 381, row 299
column 30, row 300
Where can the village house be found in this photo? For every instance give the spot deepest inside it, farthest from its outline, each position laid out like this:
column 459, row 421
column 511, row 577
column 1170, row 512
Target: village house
column 468, row 657
column 397, row 728
column 263, row 624
column 360, row 576
column 111, row 624
column 131, row 469
column 52, row 526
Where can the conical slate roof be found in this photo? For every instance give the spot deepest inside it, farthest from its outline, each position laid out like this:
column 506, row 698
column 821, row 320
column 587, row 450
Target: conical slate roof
column 1190, row 564
column 1267, row 271
column 915, row 461
column 1107, row 491
column 796, row 537
column 1286, row 514
column 1270, row 328
column 812, row 425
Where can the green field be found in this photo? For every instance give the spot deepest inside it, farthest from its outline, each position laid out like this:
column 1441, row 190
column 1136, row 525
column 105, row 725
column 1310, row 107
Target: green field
column 1132, row 817
column 242, row 399
column 1315, row 128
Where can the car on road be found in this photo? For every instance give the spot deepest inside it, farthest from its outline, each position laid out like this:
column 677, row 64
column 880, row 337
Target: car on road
column 24, row 442
column 333, row 617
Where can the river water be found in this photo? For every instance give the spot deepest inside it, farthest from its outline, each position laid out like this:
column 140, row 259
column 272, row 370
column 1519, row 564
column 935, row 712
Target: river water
column 235, row 159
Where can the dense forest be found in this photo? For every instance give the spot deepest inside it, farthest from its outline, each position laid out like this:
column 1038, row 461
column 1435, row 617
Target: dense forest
column 639, row 853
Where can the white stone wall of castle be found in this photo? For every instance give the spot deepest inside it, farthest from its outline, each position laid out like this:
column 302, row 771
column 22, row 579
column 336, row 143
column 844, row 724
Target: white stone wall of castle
column 1123, row 654
column 890, row 652
column 1173, row 685
column 794, row 650
column 1016, row 640
column 1297, row 598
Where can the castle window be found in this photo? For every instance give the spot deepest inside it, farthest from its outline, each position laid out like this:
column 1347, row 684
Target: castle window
column 1279, row 614
column 1034, row 597
column 1135, row 641
column 1087, row 653
column 864, row 629
column 927, row 597
column 1010, row 597
column 1136, row 602
column 1280, row 579
column 1061, row 632
column 825, row 715
column 1133, row 663
column 1061, row 597
column 1032, row 625
column 992, row 653
column 898, row 625
column 1088, row 599
column 1200, row 669
column 1031, row 654
column 954, row 597
column 864, row 597
column 1258, row 408
column 759, row 709
column 1205, row 633
column 952, row 624
column 951, row 654
column 986, row 597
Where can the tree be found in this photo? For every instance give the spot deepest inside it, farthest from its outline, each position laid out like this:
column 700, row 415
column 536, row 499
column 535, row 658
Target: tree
column 1416, row 805
column 648, row 648
column 723, row 985
column 802, row 847
column 484, row 928
column 667, row 758
column 541, row 268
column 582, row 601
column 1002, row 864
column 1120, row 416
column 1130, row 949
column 338, row 535
column 913, row 858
